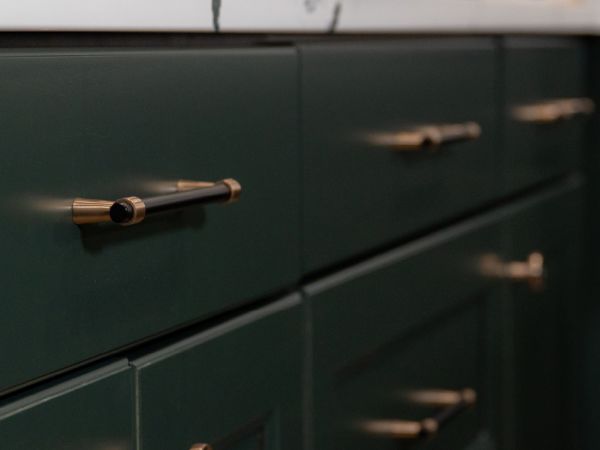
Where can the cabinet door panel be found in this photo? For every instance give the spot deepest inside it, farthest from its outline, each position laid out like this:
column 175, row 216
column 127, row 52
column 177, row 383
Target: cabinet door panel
column 108, row 124
column 235, row 387
column 541, row 70
column 541, row 328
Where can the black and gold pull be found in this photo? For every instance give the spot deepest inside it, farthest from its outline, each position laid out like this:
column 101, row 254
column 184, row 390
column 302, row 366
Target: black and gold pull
column 132, row 210
column 554, row 110
column 453, row 403
column 427, row 136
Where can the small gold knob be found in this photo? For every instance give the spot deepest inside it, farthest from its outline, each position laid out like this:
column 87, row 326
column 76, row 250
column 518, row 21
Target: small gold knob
column 430, row 425
column 469, row 396
column 235, row 189
column 531, row 270
column 201, row 447
column 550, row 111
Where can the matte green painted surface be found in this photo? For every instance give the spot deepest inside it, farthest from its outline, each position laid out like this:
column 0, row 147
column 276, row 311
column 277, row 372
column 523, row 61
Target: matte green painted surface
column 91, row 412
column 107, row 124
column 414, row 318
column 356, row 195
column 538, row 69
column 237, row 387
column 114, row 123
column 541, row 339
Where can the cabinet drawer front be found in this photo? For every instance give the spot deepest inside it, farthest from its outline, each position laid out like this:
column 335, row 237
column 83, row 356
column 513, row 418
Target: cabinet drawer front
column 537, row 71
column 94, row 411
column 111, row 124
column 369, row 304
column 237, row 387
column 360, row 190
column 412, row 320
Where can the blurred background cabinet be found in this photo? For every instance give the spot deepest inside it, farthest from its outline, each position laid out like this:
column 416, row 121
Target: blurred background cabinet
column 541, row 344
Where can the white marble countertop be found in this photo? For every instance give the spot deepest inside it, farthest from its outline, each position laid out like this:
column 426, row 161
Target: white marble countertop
column 303, row 16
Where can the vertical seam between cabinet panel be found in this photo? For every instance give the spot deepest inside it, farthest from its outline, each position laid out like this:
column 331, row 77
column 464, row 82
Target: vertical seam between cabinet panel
column 589, row 220
column 500, row 115
column 500, row 387
column 300, row 158
column 136, row 408
column 308, row 384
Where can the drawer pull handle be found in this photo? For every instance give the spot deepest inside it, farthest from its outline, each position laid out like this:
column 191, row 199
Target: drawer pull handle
column 429, row 136
column 531, row 270
column 551, row 111
column 201, row 447
column 454, row 402
column 132, row 210
column 438, row 397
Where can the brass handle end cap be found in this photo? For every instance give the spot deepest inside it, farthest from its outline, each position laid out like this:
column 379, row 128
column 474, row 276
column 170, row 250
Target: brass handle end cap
column 473, row 129
column 430, row 426
column 469, row 396
column 235, row 189
column 138, row 208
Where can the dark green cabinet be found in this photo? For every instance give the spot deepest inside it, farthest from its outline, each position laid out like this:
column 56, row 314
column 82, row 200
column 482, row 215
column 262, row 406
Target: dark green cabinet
column 360, row 194
column 107, row 124
column 424, row 233
column 93, row 411
column 236, row 387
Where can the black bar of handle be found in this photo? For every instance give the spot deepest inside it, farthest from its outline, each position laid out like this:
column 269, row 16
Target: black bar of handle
column 220, row 192
column 131, row 210
column 123, row 211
